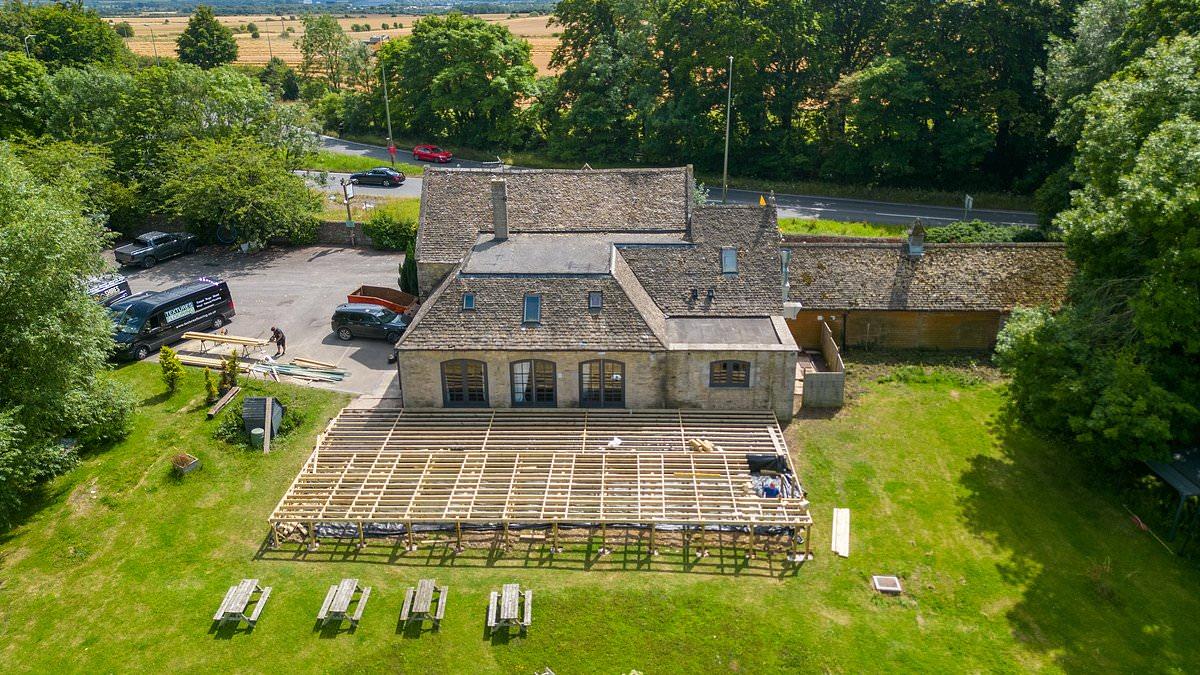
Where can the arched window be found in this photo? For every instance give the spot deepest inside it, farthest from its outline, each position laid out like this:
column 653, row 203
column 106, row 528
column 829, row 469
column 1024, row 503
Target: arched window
column 533, row 383
column 602, row 384
column 729, row 374
column 464, row 384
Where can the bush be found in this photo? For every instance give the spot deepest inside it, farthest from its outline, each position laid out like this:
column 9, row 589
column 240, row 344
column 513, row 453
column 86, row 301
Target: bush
column 229, row 373
column 389, row 232
column 977, row 231
column 172, row 368
column 124, row 29
column 210, row 388
column 231, row 429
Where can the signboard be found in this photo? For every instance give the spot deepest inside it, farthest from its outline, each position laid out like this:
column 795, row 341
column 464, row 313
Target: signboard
column 968, row 202
column 349, row 190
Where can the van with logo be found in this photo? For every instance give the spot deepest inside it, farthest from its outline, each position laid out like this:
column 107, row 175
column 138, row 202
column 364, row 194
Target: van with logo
column 146, row 321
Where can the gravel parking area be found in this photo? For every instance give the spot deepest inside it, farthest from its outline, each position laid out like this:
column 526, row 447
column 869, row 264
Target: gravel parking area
column 297, row 290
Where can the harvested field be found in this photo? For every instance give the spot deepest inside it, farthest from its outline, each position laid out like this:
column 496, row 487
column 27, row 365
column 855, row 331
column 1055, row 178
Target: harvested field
column 157, row 34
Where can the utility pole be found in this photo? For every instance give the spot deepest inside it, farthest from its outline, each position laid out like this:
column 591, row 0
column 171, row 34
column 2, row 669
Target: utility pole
column 154, row 46
column 728, row 114
column 270, row 52
column 27, row 39
column 387, row 109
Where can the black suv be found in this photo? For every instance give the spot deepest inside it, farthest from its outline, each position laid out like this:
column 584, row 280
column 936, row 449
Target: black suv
column 351, row 320
column 378, row 176
column 149, row 248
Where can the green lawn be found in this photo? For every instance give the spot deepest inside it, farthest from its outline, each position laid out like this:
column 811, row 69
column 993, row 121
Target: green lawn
column 834, row 227
column 336, row 161
column 400, row 207
column 1011, row 561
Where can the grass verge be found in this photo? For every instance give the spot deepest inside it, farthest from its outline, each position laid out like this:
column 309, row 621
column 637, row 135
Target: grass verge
column 837, row 228
column 400, row 207
column 1011, row 559
column 337, row 162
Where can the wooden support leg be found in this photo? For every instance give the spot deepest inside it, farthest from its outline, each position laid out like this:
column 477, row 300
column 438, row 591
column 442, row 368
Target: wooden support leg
column 274, row 536
column 362, row 540
column 653, row 548
column 750, row 553
column 458, row 537
column 603, row 539
column 411, row 545
column 701, row 550
column 505, row 545
column 554, row 539
column 312, row 537
column 808, row 542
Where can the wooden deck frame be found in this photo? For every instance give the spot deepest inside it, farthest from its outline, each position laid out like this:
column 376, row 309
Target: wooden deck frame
column 539, row 467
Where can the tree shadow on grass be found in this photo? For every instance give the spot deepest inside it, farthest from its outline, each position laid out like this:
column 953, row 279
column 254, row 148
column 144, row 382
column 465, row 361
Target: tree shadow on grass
column 1095, row 591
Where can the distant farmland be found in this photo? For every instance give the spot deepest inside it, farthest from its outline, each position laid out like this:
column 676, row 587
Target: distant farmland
column 158, row 34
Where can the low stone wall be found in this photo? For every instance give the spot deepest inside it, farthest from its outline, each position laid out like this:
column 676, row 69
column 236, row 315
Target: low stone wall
column 826, row 389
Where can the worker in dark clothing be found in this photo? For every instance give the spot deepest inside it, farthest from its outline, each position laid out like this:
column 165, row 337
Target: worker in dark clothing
column 280, row 341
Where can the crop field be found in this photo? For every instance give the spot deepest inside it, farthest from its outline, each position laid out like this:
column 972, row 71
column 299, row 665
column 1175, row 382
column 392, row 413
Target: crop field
column 156, row 35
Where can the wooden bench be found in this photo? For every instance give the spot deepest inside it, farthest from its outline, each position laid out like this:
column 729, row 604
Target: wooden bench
column 237, row 598
column 505, row 608
column 419, row 602
column 491, row 620
column 338, row 599
column 528, row 617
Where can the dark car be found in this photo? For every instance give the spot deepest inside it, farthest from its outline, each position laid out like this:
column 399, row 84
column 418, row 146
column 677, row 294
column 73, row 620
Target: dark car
column 432, row 153
column 351, row 320
column 146, row 321
column 150, row 248
column 378, row 176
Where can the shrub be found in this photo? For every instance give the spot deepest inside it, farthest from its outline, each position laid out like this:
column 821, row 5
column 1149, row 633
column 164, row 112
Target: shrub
column 229, row 373
column 231, row 429
column 172, row 368
column 389, row 232
column 124, row 29
column 210, row 388
column 977, row 231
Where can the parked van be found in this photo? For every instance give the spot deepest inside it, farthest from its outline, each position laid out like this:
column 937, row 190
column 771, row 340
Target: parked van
column 109, row 289
column 146, row 321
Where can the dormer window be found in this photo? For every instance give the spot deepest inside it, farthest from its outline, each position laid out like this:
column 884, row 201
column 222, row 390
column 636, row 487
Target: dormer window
column 533, row 308
column 728, row 260
column 595, row 300
column 468, row 301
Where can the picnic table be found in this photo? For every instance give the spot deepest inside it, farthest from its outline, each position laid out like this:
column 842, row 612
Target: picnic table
column 419, row 601
column 505, row 608
column 338, row 599
column 237, row 598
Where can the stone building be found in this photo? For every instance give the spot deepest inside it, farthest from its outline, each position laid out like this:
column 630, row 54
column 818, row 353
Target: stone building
column 912, row 295
column 594, row 288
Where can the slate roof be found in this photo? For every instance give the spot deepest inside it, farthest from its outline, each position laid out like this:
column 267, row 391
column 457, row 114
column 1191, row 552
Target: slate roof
column 670, row 273
column 948, row 277
column 496, row 321
column 456, row 204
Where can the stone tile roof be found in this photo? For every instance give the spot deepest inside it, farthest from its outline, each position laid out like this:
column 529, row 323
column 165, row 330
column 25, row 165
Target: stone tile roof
column 981, row 277
column 496, row 321
column 456, row 204
column 670, row 273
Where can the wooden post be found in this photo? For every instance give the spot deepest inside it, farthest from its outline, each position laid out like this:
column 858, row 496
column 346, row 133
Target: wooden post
column 267, row 426
column 653, row 550
column 504, row 545
column 554, row 543
column 312, row 536
column 362, row 540
column 408, row 529
column 808, row 542
column 751, row 553
column 603, row 538
column 458, row 536
column 274, row 535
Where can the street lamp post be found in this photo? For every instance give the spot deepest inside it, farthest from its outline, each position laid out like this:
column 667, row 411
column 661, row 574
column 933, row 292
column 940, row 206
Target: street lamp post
column 387, row 109
column 728, row 111
column 27, row 39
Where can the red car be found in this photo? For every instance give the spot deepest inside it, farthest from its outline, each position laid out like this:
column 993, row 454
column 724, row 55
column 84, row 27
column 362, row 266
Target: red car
column 431, row 153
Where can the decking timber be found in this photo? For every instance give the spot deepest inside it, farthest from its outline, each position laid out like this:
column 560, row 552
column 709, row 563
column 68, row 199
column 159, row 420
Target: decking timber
column 502, row 466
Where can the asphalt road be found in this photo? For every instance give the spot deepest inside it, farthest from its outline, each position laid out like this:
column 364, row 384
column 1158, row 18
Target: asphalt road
column 295, row 289
column 790, row 206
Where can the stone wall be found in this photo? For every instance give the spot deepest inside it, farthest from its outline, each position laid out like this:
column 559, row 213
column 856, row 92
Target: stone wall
column 429, row 275
column 772, row 380
column 676, row 379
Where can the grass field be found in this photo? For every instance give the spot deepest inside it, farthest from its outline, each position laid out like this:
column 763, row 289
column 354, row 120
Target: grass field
column 838, row 228
column 400, row 207
column 1011, row 558
column 157, row 34
column 336, row 161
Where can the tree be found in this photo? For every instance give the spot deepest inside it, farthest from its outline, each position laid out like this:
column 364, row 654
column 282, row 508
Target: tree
column 280, row 79
column 171, row 366
column 461, row 78
column 229, row 373
column 65, row 33
column 239, row 186
column 124, row 29
column 1118, row 371
column 23, row 88
column 85, row 103
column 54, row 339
column 323, row 47
column 206, row 42
column 408, row 271
column 210, row 388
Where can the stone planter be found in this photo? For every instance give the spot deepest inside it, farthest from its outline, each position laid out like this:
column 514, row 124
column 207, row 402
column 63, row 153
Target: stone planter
column 185, row 463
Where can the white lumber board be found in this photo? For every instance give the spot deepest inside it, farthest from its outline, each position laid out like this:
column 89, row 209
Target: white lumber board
column 841, row 532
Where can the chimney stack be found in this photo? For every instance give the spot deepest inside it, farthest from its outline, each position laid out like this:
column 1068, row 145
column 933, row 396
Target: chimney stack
column 500, row 209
